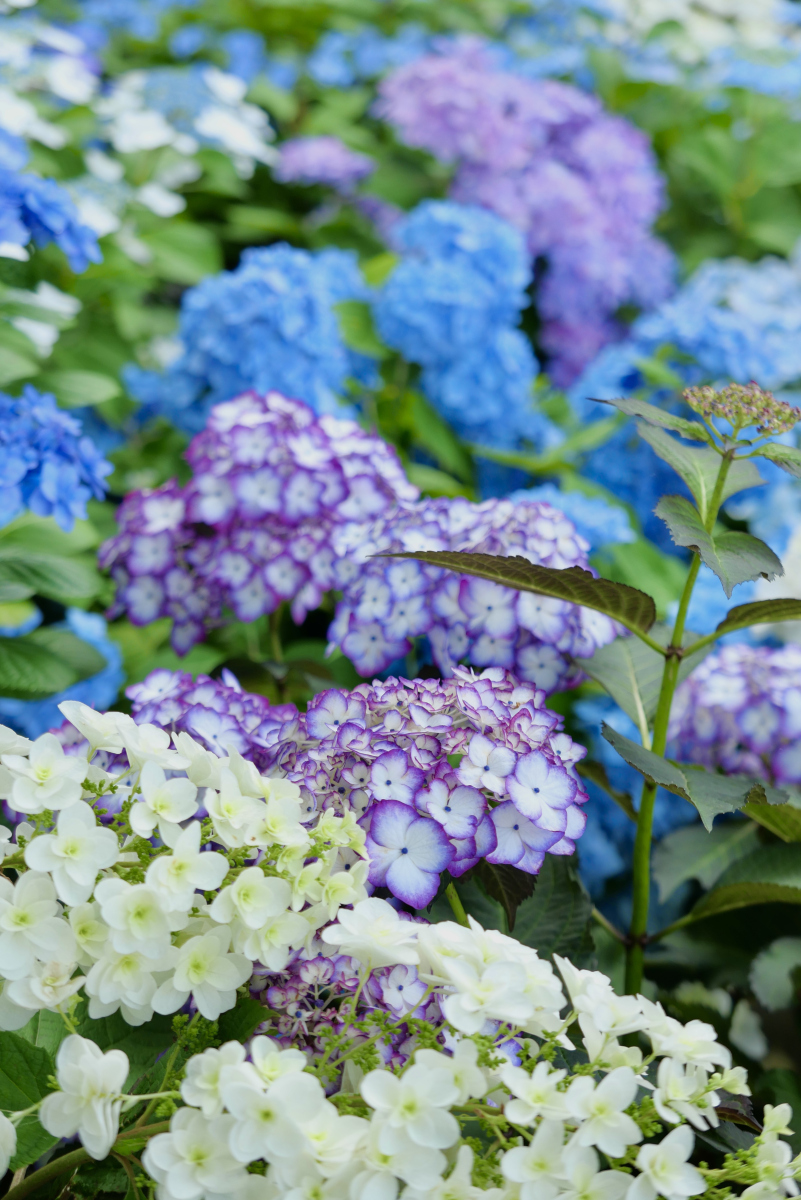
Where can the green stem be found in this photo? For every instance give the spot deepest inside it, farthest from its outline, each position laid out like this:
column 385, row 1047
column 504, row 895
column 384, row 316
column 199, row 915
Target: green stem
column 276, row 649
column 68, row 1163
column 641, row 865
column 606, row 924
column 168, row 1067
column 456, row 904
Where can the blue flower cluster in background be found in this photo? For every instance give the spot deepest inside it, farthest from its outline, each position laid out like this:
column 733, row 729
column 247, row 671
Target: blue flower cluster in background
column 269, row 325
column 39, row 210
column 46, row 464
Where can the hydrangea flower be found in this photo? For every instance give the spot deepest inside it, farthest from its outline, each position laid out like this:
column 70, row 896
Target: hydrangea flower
column 386, row 603
column 270, row 324
column 581, row 186
column 45, row 463
column 596, row 520
column 254, row 526
column 322, row 159
column 384, row 752
column 40, row 210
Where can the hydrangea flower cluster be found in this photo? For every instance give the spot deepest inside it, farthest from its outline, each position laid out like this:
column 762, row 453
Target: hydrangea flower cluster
column 45, row 463
column 744, row 405
column 139, row 939
column 186, row 108
column 270, row 324
column 386, row 603
column 452, row 305
column 740, row 711
column 355, row 1119
column 40, row 210
column 254, row 526
column 323, row 159
column 384, row 753
column 581, row 186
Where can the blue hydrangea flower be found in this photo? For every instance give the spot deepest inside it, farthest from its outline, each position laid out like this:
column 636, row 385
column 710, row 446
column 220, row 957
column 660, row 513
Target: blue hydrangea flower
column 269, row 325
column 600, row 522
column 40, row 210
column 139, row 18
column 45, row 462
column 32, row 718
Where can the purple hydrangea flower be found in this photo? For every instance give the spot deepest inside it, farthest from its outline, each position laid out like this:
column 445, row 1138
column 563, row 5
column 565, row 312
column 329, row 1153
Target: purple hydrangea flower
column 386, row 603
column 253, row 528
column 440, row 773
column 580, row 184
column 322, row 160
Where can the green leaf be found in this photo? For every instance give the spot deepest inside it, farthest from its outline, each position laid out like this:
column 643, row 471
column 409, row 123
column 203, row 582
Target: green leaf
column 429, row 430
column 710, row 793
column 74, row 389
column 432, row 481
column 14, row 365
column 143, row 1044
column 631, row 672
column 734, row 557
column 587, row 437
column 694, row 853
column 247, row 220
column 771, row 974
column 24, row 1072
column 41, row 534
column 641, row 564
column 556, row 919
column 358, row 330
column 761, row 612
column 699, row 467
column 786, row 457
column 378, row 269
column 506, row 884
column 627, row 605
column 240, row 1023
column 770, row 875
column 782, row 819
column 595, row 772
column 47, row 575
column 84, row 659
column 184, row 252
column 693, row 430
column 34, row 667
column 46, row 1029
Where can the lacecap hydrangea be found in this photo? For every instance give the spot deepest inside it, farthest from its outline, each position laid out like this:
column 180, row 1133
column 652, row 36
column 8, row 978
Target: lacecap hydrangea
column 46, row 464
column 268, row 325
column 387, row 603
column 581, row 185
column 384, row 755
column 253, row 528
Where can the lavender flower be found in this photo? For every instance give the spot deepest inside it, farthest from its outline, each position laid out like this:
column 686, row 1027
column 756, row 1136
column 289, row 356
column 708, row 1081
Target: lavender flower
column 322, row 160
column 254, row 526
column 581, row 185
column 740, row 711
column 385, row 753
column 386, row 603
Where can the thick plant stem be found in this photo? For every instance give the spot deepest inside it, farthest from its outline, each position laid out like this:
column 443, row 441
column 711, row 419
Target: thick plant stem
column 456, row 904
column 69, row 1163
column 641, row 865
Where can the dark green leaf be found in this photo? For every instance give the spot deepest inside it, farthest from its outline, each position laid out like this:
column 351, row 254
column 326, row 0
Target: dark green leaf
column 47, row 574
column 595, row 772
column 761, row 612
column 31, row 671
column 556, row 919
column 626, row 604
column 693, row 430
column 240, row 1023
column 642, row 565
column 694, row 853
column 74, row 389
column 771, row 874
column 506, row 884
column 428, row 430
column 85, row 660
column 734, row 557
column 699, row 467
column 782, row 819
column 143, row 1044
column 46, row 1029
column 24, row 1072
column 357, row 328
column 488, row 912
column 711, row 794
column 786, row 457
column 95, row 1177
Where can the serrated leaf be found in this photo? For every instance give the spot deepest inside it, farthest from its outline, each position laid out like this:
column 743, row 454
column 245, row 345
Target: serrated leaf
column 710, row 793
column 628, row 605
column 74, row 389
column 631, row 672
column 771, row 974
column 241, row 1022
column 50, row 575
column 770, row 875
column 595, row 772
column 143, row 1044
column 695, row 853
column 24, row 1071
column 632, row 407
column 556, row 919
column 734, row 557
column 506, row 884
column 699, row 467
column 358, row 330
column 782, row 819
column 760, row 612
column 786, row 457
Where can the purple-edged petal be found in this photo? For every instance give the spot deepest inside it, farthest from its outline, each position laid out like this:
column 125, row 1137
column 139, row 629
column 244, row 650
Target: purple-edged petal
column 390, row 822
column 410, row 884
column 428, row 845
column 381, row 859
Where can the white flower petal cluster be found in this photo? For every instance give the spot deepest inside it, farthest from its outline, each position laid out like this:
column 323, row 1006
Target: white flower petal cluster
column 90, row 1098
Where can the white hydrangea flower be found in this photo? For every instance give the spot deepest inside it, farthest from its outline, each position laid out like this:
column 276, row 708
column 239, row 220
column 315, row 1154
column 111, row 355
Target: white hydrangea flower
column 374, row 934
column 682, row 1091
column 48, row 985
column 75, row 853
column 200, row 1087
column 125, row 982
column 176, row 877
column 89, row 1102
column 46, row 778
column 253, row 897
column 205, row 970
column 8, row 1143
column 135, row 917
column 537, row 1094
column 193, row 1159
column 271, row 1061
column 600, row 1109
column 462, row 1063
column 268, row 1121
column 164, row 802
column 101, row 730
column 665, row 1169
column 90, row 932
column 537, row 1167
column 31, row 927
column 413, row 1109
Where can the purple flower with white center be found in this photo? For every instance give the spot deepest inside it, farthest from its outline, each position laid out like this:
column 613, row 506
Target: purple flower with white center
column 541, row 790
column 407, row 852
column 520, row 842
column 486, row 764
column 458, row 810
column 253, row 528
column 402, row 989
column 322, row 159
column 393, row 778
column 329, row 710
